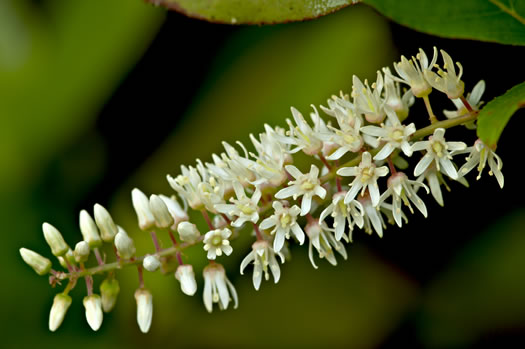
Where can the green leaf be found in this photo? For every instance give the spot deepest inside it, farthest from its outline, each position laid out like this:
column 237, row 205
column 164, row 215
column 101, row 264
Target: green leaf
column 501, row 21
column 495, row 115
column 254, row 11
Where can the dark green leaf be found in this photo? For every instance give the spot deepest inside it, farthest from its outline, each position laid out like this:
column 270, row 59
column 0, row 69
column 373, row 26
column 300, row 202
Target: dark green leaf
column 495, row 115
column 253, row 11
column 501, row 21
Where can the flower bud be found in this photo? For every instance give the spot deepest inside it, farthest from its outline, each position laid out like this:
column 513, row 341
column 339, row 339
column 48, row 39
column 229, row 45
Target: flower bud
column 141, row 206
column 144, row 309
column 68, row 257
column 40, row 264
column 160, row 211
column 188, row 232
column 151, row 263
column 81, row 252
column 176, row 211
column 105, row 223
column 186, row 277
column 61, row 304
column 89, row 230
column 94, row 315
column 109, row 290
column 124, row 244
column 54, row 239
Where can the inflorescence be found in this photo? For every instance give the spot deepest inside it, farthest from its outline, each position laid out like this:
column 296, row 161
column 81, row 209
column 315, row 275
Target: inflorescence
column 358, row 176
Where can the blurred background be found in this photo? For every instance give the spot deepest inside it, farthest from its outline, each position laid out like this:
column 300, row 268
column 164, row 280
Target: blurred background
column 98, row 97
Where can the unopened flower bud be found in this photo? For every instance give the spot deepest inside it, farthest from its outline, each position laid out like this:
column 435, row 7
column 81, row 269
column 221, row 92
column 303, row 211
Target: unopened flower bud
column 176, row 211
column 124, row 244
column 89, row 230
column 109, row 290
column 186, row 277
column 105, row 223
column 94, row 315
column 69, row 257
column 81, row 252
column 40, row 264
column 144, row 309
column 163, row 218
column 141, row 206
column 151, row 263
column 54, row 239
column 188, row 232
column 61, row 304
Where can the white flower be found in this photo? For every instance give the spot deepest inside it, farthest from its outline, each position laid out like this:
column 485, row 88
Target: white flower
column 94, row 315
column 401, row 188
column 303, row 136
column 434, row 180
column 447, row 81
column 372, row 215
column 232, row 167
column 367, row 101
column 342, row 213
column 366, row 175
column 144, row 309
column 472, row 98
column 341, row 105
column 284, row 221
column 411, row 72
column 305, row 185
column 395, row 134
column 244, row 208
column 393, row 99
column 262, row 256
column 61, row 304
column 217, row 288
column 197, row 187
column 438, row 152
column 479, row 155
column 186, row 277
column 322, row 238
column 216, row 243
column 151, row 263
column 271, row 156
column 348, row 137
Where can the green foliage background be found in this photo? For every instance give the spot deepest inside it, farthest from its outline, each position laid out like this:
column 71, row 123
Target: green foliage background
column 60, row 62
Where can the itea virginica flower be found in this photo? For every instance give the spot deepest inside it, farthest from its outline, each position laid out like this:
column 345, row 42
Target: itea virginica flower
column 322, row 181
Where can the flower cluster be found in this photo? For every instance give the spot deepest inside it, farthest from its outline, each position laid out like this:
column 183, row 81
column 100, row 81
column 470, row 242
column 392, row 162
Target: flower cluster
column 357, row 177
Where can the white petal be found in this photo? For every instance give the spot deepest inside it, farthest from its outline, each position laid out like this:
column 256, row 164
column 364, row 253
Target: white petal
column 336, row 155
column 448, row 168
column 348, row 171
column 306, row 204
column 422, row 165
column 298, row 232
column 286, row 192
column 278, row 241
column 292, row 170
column 384, row 152
column 268, row 222
column 354, row 189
